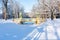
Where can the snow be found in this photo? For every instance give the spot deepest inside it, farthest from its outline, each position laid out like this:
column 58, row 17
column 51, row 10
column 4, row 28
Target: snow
column 12, row 31
column 48, row 30
column 6, row 21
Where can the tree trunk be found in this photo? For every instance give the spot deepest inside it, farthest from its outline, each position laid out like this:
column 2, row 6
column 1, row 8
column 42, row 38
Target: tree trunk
column 5, row 9
column 18, row 14
column 4, row 14
column 52, row 17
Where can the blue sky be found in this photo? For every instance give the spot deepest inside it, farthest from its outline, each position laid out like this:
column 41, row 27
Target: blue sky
column 28, row 4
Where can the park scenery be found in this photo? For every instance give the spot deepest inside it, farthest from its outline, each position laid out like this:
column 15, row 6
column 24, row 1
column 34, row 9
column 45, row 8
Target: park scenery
column 29, row 19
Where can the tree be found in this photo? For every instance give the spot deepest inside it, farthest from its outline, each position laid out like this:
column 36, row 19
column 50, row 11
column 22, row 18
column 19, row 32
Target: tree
column 11, row 9
column 53, row 7
column 5, row 9
column 15, row 7
column 45, row 6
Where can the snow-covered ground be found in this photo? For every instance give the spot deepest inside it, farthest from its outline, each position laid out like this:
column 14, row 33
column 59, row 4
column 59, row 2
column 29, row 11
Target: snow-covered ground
column 6, row 21
column 49, row 30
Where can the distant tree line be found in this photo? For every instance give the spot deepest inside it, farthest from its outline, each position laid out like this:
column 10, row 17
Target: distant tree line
column 11, row 9
column 50, row 7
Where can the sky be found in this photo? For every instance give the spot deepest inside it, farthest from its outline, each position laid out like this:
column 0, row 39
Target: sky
column 28, row 4
column 0, row 7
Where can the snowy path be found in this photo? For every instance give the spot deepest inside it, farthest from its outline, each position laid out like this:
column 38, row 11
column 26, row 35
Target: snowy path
column 49, row 30
column 12, row 31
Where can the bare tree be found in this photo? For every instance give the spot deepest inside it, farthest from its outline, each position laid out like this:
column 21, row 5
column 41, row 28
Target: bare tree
column 10, row 8
column 15, row 6
column 53, row 7
column 46, row 6
column 5, row 9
